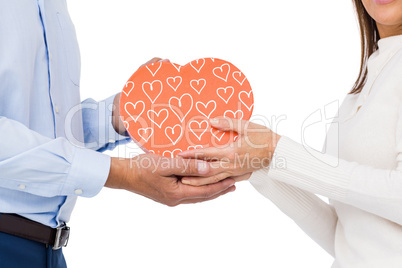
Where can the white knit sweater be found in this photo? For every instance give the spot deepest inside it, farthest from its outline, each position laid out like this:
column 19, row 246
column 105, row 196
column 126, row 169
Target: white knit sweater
column 362, row 225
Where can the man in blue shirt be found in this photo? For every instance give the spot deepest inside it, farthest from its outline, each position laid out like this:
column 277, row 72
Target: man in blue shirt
column 51, row 141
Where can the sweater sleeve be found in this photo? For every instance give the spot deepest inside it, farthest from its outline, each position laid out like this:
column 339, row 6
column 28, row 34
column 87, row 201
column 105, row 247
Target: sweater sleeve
column 377, row 191
column 315, row 217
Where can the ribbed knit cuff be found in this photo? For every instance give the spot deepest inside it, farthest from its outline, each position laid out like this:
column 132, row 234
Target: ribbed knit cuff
column 294, row 202
column 311, row 214
column 310, row 172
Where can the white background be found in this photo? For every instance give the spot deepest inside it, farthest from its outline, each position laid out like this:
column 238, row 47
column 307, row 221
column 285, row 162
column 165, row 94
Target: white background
column 298, row 56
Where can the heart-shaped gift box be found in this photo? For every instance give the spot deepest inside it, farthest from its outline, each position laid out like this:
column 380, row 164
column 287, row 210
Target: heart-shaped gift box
column 166, row 107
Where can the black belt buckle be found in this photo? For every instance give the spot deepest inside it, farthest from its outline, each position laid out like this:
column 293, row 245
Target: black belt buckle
column 62, row 235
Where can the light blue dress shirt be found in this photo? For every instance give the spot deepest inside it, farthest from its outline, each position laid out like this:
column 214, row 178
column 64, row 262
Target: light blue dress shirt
column 48, row 137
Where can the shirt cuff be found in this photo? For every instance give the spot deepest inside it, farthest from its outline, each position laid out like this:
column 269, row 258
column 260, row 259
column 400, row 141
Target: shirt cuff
column 99, row 132
column 88, row 174
column 113, row 135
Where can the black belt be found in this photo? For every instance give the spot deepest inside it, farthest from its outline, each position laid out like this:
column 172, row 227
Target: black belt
column 19, row 226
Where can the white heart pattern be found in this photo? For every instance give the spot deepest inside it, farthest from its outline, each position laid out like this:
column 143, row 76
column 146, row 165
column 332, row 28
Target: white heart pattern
column 145, row 133
column 198, row 85
column 225, row 93
column 222, row 72
column 182, row 103
column 156, row 118
column 171, row 81
column 248, row 99
column 239, row 77
column 166, row 107
column 235, row 115
column 198, row 64
column 128, row 88
column 154, row 68
column 173, row 134
column 152, row 90
column 206, row 109
column 135, row 114
column 200, row 129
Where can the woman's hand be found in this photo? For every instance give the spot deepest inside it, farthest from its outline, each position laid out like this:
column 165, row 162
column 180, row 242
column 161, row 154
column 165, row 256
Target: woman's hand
column 252, row 150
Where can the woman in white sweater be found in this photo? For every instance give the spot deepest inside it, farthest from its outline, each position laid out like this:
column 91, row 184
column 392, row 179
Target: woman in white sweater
column 362, row 224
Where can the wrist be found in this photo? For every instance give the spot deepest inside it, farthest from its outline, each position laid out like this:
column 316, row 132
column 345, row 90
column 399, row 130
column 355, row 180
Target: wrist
column 272, row 142
column 118, row 173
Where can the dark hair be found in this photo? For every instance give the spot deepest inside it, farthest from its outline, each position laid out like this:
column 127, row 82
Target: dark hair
column 369, row 36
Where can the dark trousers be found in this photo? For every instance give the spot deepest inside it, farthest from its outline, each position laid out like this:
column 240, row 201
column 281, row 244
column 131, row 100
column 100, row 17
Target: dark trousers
column 16, row 252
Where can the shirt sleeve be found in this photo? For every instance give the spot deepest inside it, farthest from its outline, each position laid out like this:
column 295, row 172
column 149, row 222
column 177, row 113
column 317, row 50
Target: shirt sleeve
column 377, row 191
column 99, row 133
column 38, row 165
column 315, row 217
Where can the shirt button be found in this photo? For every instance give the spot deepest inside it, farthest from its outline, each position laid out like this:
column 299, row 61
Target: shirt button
column 50, row 56
column 78, row 192
column 22, row 186
column 56, row 108
column 111, row 141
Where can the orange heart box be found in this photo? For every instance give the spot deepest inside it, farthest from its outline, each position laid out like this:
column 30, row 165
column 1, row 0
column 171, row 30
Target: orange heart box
column 165, row 106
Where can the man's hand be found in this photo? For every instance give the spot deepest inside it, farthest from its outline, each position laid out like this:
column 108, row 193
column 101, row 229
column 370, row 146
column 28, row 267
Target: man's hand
column 117, row 123
column 159, row 178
